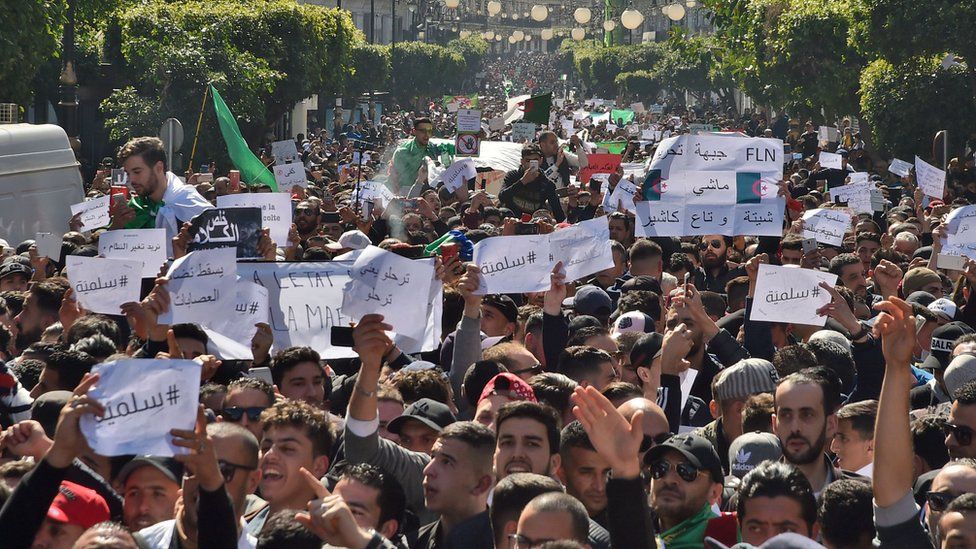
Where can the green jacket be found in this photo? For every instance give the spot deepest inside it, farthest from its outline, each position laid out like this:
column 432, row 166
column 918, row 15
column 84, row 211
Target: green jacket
column 406, row 162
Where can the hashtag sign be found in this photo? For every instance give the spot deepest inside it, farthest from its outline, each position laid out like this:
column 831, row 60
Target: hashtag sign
column 173, row 395
column 530, row 257
column 123, row 280
column 253, row 308
column 816, row 291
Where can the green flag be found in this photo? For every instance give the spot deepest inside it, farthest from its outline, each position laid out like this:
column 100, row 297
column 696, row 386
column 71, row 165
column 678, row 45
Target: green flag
column 616, row 115
column 253, row 171
column 537, row 109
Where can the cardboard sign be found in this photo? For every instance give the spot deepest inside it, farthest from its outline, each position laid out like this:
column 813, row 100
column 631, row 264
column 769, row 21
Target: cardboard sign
column 599, row 163
column 288, row 176
column 238, row 228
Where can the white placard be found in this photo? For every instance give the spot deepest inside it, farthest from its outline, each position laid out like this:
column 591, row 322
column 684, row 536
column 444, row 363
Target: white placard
column 201, row 286
column 285, row 151
column 275, row 211
column 457, row 174
column 584, row 248
column 496, row 124
column 790, row 294
column 48, row 245
column 250, row 308
column 523, row 131
column 385, row 283
column 621, row 197
column 147, row 246
column 514, row 264
column 289, row 175
column 143, row 400
column 931, row 180
column 827, row 225
column 102, row 285
column 827, row 134
column 372, row 190
column 831, row 160
column 900, row 167
column 94, row 213
column 857, row 196
column 637, row 107
column 468, row 121
column 567, row 126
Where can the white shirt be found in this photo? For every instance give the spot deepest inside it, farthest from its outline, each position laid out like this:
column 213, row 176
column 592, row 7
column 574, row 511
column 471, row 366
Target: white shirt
column 867, row 470
column 160, row 535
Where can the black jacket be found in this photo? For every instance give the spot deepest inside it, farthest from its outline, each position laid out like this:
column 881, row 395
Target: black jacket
column 529, row 197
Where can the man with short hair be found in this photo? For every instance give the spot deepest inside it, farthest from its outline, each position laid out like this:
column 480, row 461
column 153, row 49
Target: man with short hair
column 583, row 471
column 558, row 164
column 410, row 156
column 246, row 399
column 775, row 498
column 961, row 425
column 527, row 440
column 62, row 371
column 510, row 496
column 853, row 443
column 551, row 517
column 846, row 515
column 588, row 366
column 150, row 486
column 375, row 497
column 850, row 273
column 716, row 270
column 527, row 189
column 39, row 311
column 299, row 375
column 958, row 525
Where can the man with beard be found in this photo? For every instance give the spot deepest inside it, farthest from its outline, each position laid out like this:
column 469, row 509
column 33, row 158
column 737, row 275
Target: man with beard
column 150, row 486
column 161, row 200
column 307, row 216
column 850, row 273
column 409, row 157
column 584, row 471
column 805, row 405
column 716, row 270
column 40, row 311
column 961, row 423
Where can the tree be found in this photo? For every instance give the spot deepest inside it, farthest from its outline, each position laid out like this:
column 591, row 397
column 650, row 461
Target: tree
column 690, row 64
column 372, row 69
column 473, row 49
column 639, row 85
column 29, row 34
column 907, row 103
column 424, row 70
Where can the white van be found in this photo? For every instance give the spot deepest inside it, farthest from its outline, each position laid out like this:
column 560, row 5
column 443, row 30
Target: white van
column 39, row 181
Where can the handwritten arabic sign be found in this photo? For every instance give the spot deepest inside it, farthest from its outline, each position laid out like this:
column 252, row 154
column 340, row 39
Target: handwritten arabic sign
column 622, row 197
column 103, row 285
column 584, row 248
column 831, row 160
column 147, row 246
column 396, row 287
column 827, row 225
column 513, row 264
column 457, row 174
column 143, row 400
column 790, row 294
column 857, row 195
column 200, row 286
column 238, row 327
column 523, row 131
column 900, row 167
column 289, row 175
column 94, row 213
column 275, row 211
column 931, row 180
column 237, row 228
column 284, row 151
column 599, row 163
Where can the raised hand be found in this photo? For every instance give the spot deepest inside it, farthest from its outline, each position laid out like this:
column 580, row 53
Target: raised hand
column 69, row 442
column 896, row 328
column 201, row 461
column 330, row 518
column 614, row 438
column 371, row 341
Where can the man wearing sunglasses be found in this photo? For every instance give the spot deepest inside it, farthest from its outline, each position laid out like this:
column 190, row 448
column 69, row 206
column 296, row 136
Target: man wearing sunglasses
column 961, row 425
column 716, row 270
column 687, row 480
column 246, row 398
column 409, row 156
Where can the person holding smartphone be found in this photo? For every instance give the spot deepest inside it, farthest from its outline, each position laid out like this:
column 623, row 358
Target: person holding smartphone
column 527, row 189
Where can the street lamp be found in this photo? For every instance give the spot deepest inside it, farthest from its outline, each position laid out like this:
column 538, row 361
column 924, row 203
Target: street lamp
column 68, row 82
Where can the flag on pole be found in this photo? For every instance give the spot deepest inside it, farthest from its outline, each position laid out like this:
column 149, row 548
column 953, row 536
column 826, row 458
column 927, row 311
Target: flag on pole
column 537, row 109
column 253, row 171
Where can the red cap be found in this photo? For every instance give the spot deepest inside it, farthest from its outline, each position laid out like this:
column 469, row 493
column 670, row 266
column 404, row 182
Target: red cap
column 510, row 385
column 77, row 504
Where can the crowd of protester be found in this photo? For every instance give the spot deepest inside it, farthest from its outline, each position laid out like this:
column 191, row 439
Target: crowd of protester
column 556, row 419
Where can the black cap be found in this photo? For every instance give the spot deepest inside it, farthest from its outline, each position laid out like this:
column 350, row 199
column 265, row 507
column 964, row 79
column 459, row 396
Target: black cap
column 169, row 467
column 641, row 282
column 921, row 298
column 697, row 449
column 504, row 304
column 47, row 408
column 943, row 340
column 15, row 267
column 648, row 347
column 431, row 413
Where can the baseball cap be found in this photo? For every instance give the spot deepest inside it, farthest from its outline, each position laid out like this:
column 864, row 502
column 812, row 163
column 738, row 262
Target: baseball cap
column 943, row 340
column 920, row 298
column 350, row 240
column 169, row 467
column 431, row 413
column 47, row 408
column 632, row 321
column 590, row 300
column 747, row 377
column 13, row 268
column 748, row 450
column 945, row 308
column 582, row 321
column 917, row 278
column 641, row 282
column 698, row 450
column 647, row 348
column 78, row 505
column 505, row 305
column 960, row 371
column 510, row 385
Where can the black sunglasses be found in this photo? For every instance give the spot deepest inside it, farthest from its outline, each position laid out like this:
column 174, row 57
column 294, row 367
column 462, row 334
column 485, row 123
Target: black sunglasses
column 307, row 211
column 938, row 501
column 962, row 433
column 235, row 413
column 649, row 441
column 534, row 369
column 685, row 470
column 717, row 244
column 227, row 469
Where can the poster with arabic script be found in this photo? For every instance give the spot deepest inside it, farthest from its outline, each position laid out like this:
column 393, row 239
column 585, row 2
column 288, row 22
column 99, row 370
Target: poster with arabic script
column 102, row 285
column 147, row 246
column 790, row 294
column 201, row 287
column 584, row 248
column 827, row 225
column 713, row 184
column 238, row 228
column 514, row 264
column 143, row 400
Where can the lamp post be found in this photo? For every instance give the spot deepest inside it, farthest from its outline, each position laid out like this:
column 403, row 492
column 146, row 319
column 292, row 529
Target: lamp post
column 68, row 82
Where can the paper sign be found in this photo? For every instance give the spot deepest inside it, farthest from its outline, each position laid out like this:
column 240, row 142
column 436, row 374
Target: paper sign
column 621, row 197
column 637, row 107
column 567, row 126
column 143, row 400
column 826, row 225
column 201, row 287
column 584, row 248
column 457, row 174
column 513, row 264
column 900, row 167
column 250, row 308
column 48, row 245
column 468, row 121
column 931, row 180
column 599, row 163
column 94, row 213
column 275, row 208
column 790, row 294
column 103, row 285
column 285, row 151
column 147, row 246
column 385, row 283
column 236, row 228
column 827, row 134
column 523, row 131
column 831, row 160
column 856, row 195
column 288, row 176
column 496, row 124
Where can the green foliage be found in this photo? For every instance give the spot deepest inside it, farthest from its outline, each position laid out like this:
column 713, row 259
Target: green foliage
column 29, row 34
column 901, row 29
column 907, row 104
column 473, row 49
column 372, row 69
column 425, row 70
column 263, row 55
column 690, row 63
column 639, row 85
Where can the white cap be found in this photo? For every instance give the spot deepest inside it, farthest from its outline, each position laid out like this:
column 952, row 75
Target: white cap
column 632, row 321
column 350, row 240
column 944, row 307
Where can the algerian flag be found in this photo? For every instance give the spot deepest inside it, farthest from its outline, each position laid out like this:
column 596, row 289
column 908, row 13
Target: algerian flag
column 653, row 186
column 253, row 171
column 748, row 188
column 537, row 109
